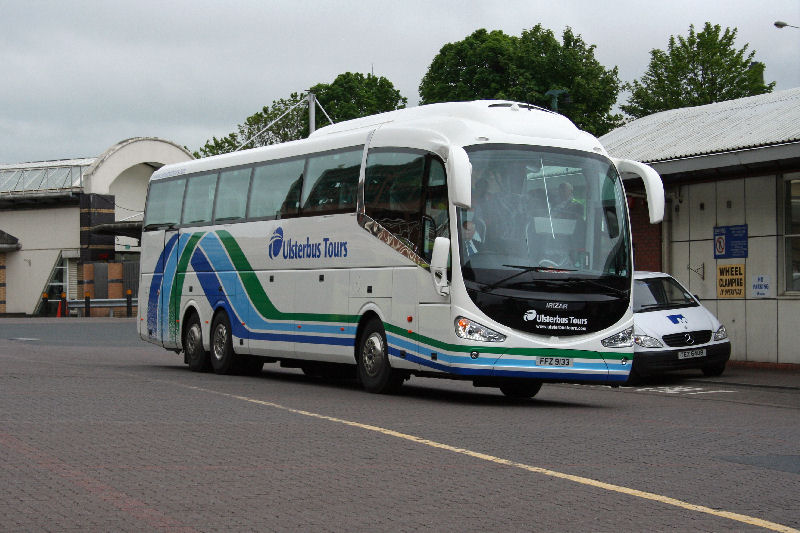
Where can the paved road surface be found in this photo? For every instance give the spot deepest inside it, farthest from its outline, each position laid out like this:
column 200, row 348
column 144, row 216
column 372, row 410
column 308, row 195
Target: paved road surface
column 101, row 432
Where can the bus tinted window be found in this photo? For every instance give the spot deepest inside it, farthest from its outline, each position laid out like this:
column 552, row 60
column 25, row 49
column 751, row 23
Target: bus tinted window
column 437, row 218
column 331, row 182
column 199, row 199
column 165, row 201
column 276, row 190
column 393, row 193
column 231, row 200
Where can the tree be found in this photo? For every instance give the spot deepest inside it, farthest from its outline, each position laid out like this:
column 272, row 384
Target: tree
column 493, row 65
column 702, row 68
column 354, row 95
column 350, row 95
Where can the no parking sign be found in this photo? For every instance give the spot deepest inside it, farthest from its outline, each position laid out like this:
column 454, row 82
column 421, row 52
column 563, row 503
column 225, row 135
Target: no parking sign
column 730, row 241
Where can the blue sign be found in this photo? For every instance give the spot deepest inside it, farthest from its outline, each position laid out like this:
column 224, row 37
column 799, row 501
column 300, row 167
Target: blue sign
column 730, row 241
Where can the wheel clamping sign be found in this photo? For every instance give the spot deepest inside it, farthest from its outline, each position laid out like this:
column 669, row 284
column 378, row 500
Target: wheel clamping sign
column 730, row 281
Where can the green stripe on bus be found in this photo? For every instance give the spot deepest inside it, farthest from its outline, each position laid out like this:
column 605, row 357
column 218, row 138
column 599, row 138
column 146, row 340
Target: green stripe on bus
column 259, row 298
column 177, row 283
column 487, row 348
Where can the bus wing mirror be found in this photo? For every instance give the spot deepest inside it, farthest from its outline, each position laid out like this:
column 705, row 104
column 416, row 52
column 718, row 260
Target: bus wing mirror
column 441, row 253
column 460, row 171
column 652, row 185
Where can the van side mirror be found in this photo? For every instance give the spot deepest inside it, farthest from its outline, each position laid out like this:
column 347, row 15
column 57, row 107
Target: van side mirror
column 441, row 253
column 459, row 170
column 653, row 185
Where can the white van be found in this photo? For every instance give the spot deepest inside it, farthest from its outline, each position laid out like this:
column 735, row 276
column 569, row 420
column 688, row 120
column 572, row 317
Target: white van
column 672, row 330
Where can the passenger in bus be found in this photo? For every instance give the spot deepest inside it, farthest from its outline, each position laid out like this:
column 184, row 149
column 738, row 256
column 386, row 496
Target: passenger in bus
column 501, row 210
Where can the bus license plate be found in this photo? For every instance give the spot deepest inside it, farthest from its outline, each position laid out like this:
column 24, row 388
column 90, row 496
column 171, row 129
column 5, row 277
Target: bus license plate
column 689, row 354
column 554, row 361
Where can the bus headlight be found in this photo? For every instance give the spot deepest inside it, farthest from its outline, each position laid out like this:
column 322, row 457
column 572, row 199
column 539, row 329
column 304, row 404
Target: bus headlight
column 720, row 334
column 623, row 339
column 647, row 342
column 467, row 329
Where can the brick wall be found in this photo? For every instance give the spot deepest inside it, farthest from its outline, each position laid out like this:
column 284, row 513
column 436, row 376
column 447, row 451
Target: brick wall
column 646, row 236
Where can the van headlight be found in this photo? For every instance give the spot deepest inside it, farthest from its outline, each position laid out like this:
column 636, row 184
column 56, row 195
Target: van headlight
column 623, row 339
column 467, row 329
column 720, row 334
column 647, row 342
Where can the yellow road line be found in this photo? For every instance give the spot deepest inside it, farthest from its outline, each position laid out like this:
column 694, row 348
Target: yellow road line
column 745, row 519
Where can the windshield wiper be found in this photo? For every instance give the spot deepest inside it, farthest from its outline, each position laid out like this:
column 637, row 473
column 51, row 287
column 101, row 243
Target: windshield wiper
column 524, row 270
column 595, row 283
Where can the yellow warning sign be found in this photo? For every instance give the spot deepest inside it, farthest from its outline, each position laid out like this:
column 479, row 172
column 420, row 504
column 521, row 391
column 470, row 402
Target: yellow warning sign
column 730, row 281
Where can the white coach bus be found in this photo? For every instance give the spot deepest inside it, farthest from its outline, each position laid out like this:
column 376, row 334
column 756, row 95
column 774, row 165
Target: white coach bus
column 484, row 240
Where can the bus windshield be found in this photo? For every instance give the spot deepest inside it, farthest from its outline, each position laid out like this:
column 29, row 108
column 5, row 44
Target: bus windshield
column 544, row 220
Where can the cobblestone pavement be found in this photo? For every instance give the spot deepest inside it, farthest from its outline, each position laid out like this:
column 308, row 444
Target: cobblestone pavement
column 99, row 432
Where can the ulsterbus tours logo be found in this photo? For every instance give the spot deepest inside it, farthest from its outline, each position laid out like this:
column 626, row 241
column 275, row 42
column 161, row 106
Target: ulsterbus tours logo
column 275, row 243
column 291, row 249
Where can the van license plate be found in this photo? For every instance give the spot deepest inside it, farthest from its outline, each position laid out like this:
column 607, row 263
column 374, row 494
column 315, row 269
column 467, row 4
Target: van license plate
column 689, row 354
column 554, row 361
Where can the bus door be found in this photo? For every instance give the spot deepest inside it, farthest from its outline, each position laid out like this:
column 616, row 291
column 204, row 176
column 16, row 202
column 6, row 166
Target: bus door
column 434, row 321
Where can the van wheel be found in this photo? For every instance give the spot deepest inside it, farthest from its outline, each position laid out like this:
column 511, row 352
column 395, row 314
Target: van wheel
column 521, row 389
column 196, row 357
column 714, row 370
column 374, row 371
column 223, row 358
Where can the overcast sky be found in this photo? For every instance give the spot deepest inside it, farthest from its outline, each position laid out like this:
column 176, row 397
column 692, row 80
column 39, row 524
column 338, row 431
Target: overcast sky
column 78, row 76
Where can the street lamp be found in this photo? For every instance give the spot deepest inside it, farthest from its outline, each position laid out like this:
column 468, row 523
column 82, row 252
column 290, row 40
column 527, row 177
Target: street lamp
column 781, row 24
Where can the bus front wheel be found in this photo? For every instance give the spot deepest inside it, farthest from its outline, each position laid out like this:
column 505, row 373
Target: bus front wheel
column 223, row 358
column 374, row 370
column 196, row 357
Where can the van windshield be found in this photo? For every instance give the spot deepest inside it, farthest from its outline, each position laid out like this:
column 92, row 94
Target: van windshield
column 544, row 220
column 651, row 294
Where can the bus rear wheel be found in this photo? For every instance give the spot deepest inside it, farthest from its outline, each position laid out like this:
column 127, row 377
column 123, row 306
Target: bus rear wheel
column 223, row 358
column 374, row 371
column 521, row 389
column 194, row 354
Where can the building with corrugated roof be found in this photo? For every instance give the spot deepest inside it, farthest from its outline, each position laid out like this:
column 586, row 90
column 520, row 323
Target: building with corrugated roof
column 731, row 230
column 50, row 214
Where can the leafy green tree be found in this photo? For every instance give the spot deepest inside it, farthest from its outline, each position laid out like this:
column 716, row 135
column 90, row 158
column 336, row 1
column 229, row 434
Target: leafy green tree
column 478, row 67
column 354, row 95
column 493, row 65
column 291, row 127
column 702, row 68
column 350, row 95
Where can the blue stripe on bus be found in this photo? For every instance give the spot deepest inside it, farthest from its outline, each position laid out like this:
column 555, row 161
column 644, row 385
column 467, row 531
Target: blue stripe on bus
column 155, row 286
column 210, row 284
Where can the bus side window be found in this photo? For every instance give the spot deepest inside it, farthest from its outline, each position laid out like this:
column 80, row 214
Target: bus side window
column 165, row 201
column 331, row 182
column 231, row 197
column 393, row 193
column 199, row 200
column 275, row 192
column 436, row 207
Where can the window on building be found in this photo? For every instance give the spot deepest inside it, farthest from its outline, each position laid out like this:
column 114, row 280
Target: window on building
column 792, row 235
